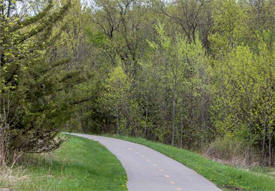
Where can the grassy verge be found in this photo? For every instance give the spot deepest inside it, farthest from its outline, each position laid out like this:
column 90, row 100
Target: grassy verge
column 79, row 165
column 264, row 170
column 225, row 176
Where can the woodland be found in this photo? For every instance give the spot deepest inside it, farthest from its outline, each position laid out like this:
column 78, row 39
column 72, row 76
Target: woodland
column 196, row 74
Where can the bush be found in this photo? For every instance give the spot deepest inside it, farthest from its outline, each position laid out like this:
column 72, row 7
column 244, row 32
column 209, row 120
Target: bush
column 227, row 148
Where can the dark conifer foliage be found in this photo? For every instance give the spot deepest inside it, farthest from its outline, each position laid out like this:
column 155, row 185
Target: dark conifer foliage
column 34, row 88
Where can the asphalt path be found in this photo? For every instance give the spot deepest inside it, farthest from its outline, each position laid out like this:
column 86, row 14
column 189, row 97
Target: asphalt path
column 149, row 170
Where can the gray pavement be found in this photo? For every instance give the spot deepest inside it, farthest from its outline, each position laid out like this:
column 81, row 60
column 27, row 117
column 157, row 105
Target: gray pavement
column 149, row 170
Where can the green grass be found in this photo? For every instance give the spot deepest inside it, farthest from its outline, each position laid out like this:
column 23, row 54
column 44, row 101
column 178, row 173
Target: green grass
column 224, row 176
column 79, row 165
column 271, row 172
column 264, row 170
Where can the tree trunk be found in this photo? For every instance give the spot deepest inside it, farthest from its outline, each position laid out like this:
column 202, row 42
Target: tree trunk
column 270, row 147
column 181, row 132
column 264, row 140
column 263, row 146
column 250, row 142
column 3, row 154
column 117, row 121
column 173, row 122
column 145, row 128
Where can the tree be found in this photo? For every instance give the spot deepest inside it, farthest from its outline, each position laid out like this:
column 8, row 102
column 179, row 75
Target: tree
column 34, row 89
column 181, row 70
column 229, row 28
column 190, row 17
column 116, row 96
column 247, row 95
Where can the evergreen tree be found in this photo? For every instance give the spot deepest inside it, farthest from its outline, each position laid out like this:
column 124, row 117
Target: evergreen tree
column 35, row 97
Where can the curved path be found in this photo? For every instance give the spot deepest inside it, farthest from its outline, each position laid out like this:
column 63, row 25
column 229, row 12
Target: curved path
column 149, row 170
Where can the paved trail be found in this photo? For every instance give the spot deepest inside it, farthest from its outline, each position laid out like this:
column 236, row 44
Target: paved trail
column 149, row 170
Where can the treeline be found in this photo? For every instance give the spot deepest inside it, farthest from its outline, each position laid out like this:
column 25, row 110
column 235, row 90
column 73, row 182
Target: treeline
column 196, row 74
column 191, row 73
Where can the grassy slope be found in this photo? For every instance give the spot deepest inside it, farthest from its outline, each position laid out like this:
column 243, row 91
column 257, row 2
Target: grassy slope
column 269, row 171
column 79, row 165
column 224, row 176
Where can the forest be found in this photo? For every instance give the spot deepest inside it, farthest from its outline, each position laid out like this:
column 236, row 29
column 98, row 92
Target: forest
column 196, row 74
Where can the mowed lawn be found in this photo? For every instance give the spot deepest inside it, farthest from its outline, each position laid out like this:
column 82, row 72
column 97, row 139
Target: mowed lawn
column 78, row 165
column 224, row 176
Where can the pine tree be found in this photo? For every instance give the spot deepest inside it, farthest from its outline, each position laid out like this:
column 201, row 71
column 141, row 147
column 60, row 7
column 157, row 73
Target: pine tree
column 34, row 89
